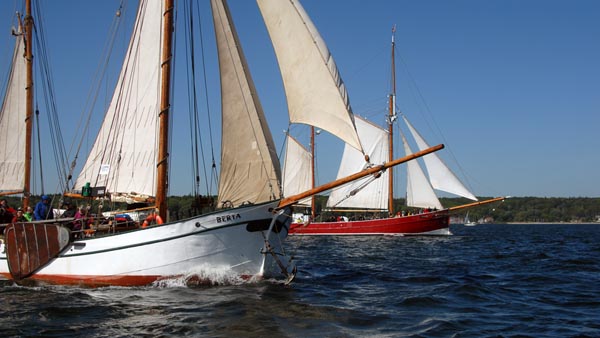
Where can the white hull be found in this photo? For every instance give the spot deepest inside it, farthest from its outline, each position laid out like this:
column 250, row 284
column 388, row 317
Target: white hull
column 214, row 243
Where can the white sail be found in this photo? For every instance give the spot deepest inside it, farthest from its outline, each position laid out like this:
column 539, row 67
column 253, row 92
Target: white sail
column 124, row 156
column 315, row 92
column 12, row 123
column 419, row 192
column 250, row 170
column 297, row 170
column 440, row 176
column 369, row 192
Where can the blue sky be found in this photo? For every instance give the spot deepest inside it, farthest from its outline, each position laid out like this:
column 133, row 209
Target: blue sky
column 511, row 87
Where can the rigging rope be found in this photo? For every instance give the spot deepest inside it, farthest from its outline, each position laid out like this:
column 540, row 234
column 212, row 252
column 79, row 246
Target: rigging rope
column 50, row 100
column 95, row 89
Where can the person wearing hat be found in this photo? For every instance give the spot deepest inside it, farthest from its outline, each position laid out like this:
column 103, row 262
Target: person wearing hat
column 19, row 216
column 42, row 210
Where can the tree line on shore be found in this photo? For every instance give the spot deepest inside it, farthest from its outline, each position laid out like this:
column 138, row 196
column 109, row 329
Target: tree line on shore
column 515, row 209
column 535, row 209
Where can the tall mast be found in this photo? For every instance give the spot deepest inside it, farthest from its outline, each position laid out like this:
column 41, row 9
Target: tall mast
column 391, row 118
column 165, row 105
column 29, row 103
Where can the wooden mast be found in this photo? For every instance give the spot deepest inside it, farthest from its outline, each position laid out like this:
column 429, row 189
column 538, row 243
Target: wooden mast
column 29, row 103
column 165, row 93
column 391, row 118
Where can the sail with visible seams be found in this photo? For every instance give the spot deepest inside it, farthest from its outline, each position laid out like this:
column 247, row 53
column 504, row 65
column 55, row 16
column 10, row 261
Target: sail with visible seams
column 368, row 192
column 315, row 92
column 124, row 156
column 250, row 169
column 440, row 176
column 297, row 170
column 12, row 122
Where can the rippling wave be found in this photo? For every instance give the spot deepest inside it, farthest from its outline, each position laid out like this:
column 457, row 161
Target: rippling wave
column 485, row 281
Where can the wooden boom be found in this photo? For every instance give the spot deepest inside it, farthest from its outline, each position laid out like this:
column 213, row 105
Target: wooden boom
column 333, row 184
column 474, row 204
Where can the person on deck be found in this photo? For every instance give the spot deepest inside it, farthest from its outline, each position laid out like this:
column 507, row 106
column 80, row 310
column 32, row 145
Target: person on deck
column 20, row 216
column 6, row 212
column 28, row 214
column 70, row 210
column 42, row 210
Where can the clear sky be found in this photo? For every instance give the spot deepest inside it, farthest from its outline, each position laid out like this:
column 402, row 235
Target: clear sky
column 511, row 87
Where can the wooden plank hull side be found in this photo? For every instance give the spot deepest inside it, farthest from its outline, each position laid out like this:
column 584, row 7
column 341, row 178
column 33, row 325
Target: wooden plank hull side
column 30, row 246
column 431, row 223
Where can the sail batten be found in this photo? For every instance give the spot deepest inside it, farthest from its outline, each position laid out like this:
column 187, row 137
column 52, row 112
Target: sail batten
column 315, row 92
column 250, row 170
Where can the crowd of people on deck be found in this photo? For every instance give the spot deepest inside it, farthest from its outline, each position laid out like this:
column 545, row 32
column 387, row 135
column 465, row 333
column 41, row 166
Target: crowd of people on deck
column 77, row 218
column 402, row 213
column 81, row 219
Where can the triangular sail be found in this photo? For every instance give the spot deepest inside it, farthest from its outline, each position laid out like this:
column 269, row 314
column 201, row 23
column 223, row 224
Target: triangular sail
column 250, row 170
column 315, row 92
column 440, row 176
column 297, row 170
column 419, row 192
column 368, row 193
column 124, row 156
column 12, row 123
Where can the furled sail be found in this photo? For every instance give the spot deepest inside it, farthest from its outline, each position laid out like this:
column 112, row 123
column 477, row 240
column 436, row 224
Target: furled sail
column 369, row 192
column 124, row 156
column 419, row 192
column 12, row 123
column 297, row 170
column 440, row 176
column 250, row 170
column 315, row 92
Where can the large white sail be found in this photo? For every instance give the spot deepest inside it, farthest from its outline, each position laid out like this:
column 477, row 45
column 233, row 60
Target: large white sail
column 250, row 170
column 315, row 92
column 297, row 170
column 12, row 123
column 369, row 192
column 124, row 155
column 440, row 176
column 419, row 192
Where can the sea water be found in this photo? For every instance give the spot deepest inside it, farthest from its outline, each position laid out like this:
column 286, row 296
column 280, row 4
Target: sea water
column 492, row 280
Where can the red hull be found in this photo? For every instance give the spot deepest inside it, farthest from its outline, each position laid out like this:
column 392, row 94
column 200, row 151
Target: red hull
column 421, row 224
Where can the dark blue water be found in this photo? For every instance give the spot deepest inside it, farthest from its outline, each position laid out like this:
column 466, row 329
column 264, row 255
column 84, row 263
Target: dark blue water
column 485, row 281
